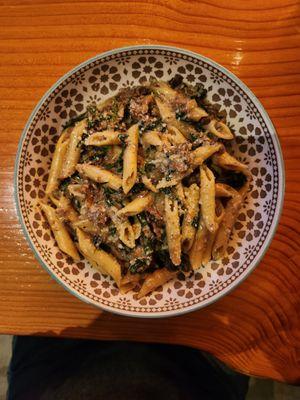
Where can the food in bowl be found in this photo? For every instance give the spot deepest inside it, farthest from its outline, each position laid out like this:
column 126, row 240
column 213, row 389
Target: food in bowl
column 143, row 185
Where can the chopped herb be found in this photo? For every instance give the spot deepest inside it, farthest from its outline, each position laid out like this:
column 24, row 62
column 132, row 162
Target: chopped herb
column 64, row 184
column 195, row 222
column 122, row 137
column 83, row 137
column 73, row 121
column 92, row 109
column 137, row 266
column 193, row 137
column 156, row 124
column 166, row 190
column 109, row 201
column 114, row 109
column 148, row 244
column 142, row 219
column 108, row 192
column 109, row 166
column 97, row 241
column 180, row 115
column 76, row 204
column 149, row 167
column 112, row 230
column 137, row 188
column 90, row 124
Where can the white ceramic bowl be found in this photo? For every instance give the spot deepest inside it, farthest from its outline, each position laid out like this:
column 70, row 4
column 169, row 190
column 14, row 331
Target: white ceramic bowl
column 256, row 144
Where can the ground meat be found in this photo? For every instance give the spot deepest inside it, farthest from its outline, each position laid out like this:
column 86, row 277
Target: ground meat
column 97, row 214
column 179, row 157
column 156, row 221
column 138, row 108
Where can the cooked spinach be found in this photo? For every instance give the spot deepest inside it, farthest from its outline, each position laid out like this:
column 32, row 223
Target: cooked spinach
column 73, row 121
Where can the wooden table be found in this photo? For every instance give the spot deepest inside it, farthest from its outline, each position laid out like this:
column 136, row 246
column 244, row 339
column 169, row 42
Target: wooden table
column 255, row 329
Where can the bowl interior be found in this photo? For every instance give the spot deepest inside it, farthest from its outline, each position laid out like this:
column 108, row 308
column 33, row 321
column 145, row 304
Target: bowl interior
column 256, row 144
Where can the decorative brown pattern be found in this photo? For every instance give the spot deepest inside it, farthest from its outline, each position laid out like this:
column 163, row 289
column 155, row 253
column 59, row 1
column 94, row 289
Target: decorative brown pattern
column 255, row 145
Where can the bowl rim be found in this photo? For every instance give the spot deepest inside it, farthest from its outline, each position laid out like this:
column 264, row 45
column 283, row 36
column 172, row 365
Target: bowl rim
column 273, row 227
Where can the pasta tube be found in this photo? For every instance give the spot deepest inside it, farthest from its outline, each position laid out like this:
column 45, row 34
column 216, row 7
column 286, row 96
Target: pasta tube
column 103, row 138
column 60, row 232
column 175, row 136
column 202, row 153
column 57, row 162
column 190, row 220
column 149, row 185
column 151, row 138
column 73, row 151
column 199, row 245
column 137, row 228
column 173, row 230
column 100, row 175
column 106, row 262
column 219, row 129
column 207, row 197
column 226, row 161
column 231, row 212
column 223, row 190
column 211, row 236
column 154, row 280
column 194, row 112
column 137, row 205
column 130, row 158
column 126, row 233
column 64, row 204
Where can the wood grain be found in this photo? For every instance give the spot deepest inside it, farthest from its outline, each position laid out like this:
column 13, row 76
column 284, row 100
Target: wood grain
column 255, row 329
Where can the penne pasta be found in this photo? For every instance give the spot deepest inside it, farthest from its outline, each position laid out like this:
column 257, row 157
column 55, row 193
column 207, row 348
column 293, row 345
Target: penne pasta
column 64, row 205
column 137, row 228
column 57, row 162
column 100, row 175
column 190, row 220
column 231, row 212
column 85, row 225
column 151, row 138
column 174, row 136
column 131, row 278
column 194, row 112
column 73, row 152
column 125, row 232
column 207, row 198
column 180, row 192
column 149, row 185
column 207, row 254
column 130, row 159
column 164, row 183
column 60, row 232
column 137, row 205
column 154, row 280
column 94, row 264
column 173, row 229
column 106, row 262
column 223, row 190
column 202, row 153
column 219, row 129
column 103, row 138
column 199, row 244
column 226, row 161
